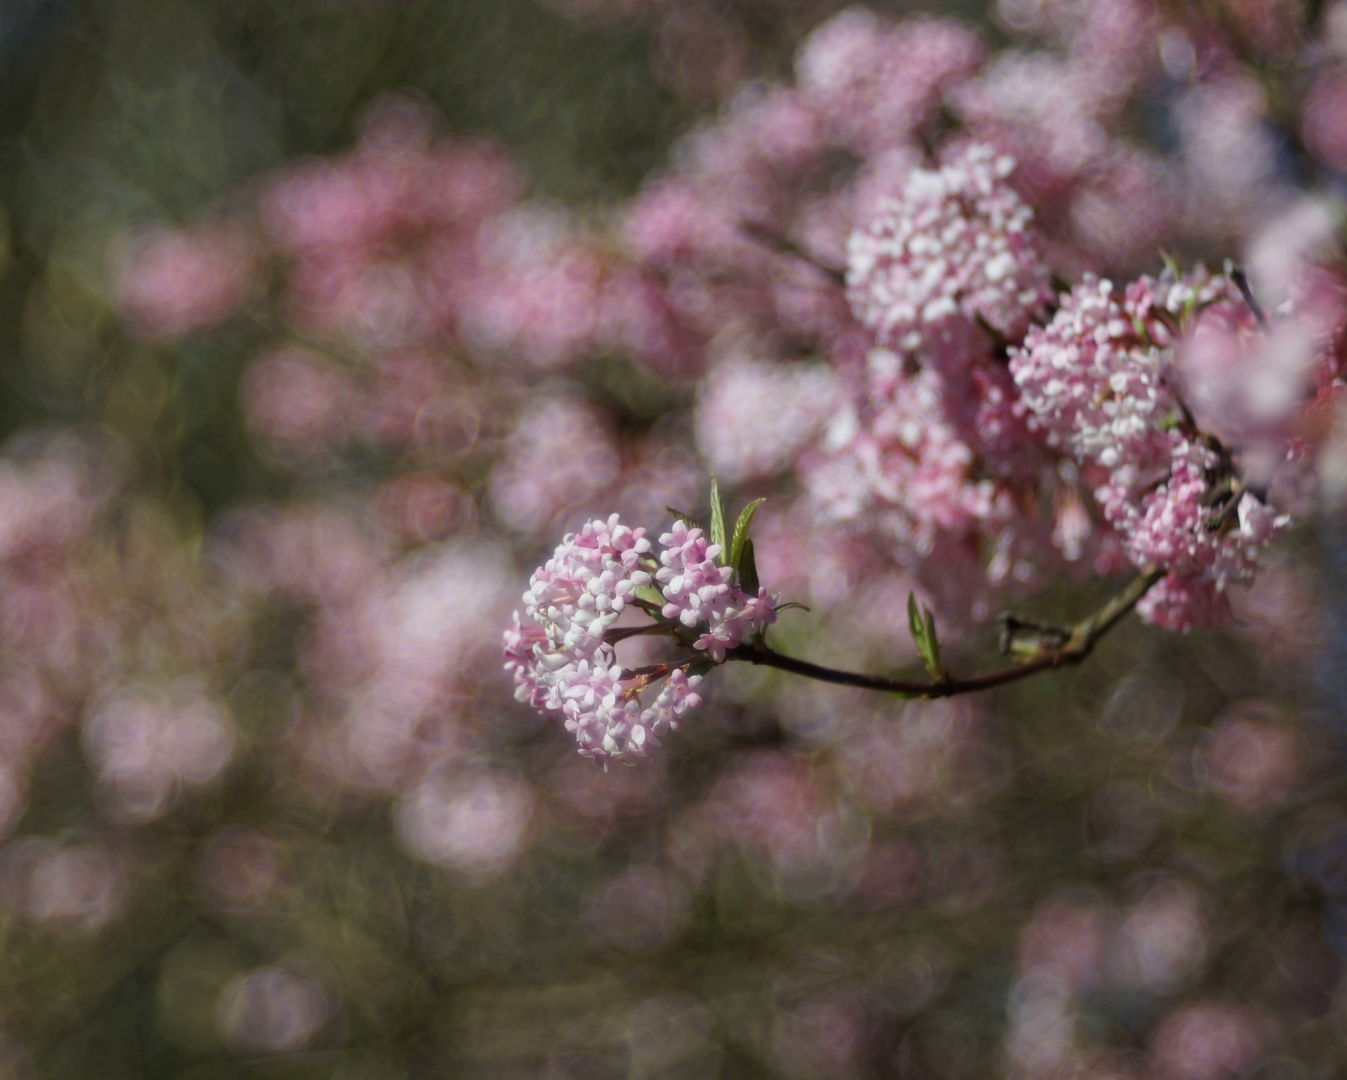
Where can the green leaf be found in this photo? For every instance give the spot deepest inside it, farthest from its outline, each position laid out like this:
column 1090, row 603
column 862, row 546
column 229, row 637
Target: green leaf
column 915, row 623
column 933, row 664
column 687, row 519
column 651, row 595
column 741, row 534
column 922, row 624
column 718, row 522
column 786, row 607
column 748, row 569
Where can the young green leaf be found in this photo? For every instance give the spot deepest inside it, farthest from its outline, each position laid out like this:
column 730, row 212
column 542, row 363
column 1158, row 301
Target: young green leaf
column 748, row 569
column 915, row 623
column 651, row 595
column 718, row 522
column 922, row 624
column 933, row 664
column 686, row 519
column 741, row 533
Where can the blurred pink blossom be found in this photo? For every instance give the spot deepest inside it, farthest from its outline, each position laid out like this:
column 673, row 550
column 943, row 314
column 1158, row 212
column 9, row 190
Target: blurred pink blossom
column 561, row 459
column 147, row 744
column 1210, row 1040
column 272, row 1010
column 1066, row 941
column 824, row 1036
column 76, row 887
column 297, row 403
column 477, row 824
column 877, row 82
column 168, row 282
column 638, row 910
column 241, row 868
column 1253, row 756
column 1162, row 939
column 793, row 401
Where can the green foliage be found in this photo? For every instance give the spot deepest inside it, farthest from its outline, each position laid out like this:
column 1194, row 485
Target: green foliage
column 922, row 624
column 739, row 544
column 717, row 535
column 748, row 570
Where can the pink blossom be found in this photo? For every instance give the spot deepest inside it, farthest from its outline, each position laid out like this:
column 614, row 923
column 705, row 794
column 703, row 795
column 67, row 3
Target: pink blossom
column 1098, row 381
column 580, row 592
column 145, row 745
column 560, row 457
column 637, row 911
column 891, row 464
column 1253, row 757
column 1095, row 384
column 958, row 243
column 791, row 403
column 698, row 590
column 74, row 887
column 476, row 824
column 1209, row 1040
column 1172, row 530
column 568, row 668
column 272, row 1010
column 877, row 82
column 168, row 282
column 297, row 403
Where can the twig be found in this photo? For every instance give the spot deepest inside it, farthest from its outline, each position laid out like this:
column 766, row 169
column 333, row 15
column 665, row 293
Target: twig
column 1079, row 644
column 787, row 246
column 1236, row 274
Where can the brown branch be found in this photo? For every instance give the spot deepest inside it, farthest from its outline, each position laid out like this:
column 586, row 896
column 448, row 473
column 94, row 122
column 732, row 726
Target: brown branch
column 784, row 244
column 1236, row 274
column 1079, row 644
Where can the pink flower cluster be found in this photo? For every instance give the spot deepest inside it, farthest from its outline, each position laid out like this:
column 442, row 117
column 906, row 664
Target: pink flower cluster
column 169, row 282
column 957, row 244
column 874, row 81
column 412, row 242
column 563, row 664
column 1099, row 382
column 896, row 465
column 698, row 590
column 904, row 466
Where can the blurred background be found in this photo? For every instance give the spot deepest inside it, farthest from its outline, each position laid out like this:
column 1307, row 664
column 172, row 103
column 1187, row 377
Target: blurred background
column 322, row 320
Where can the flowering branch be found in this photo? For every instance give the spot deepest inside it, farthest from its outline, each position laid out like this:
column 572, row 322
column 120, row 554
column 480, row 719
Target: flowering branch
column 1080, row 641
